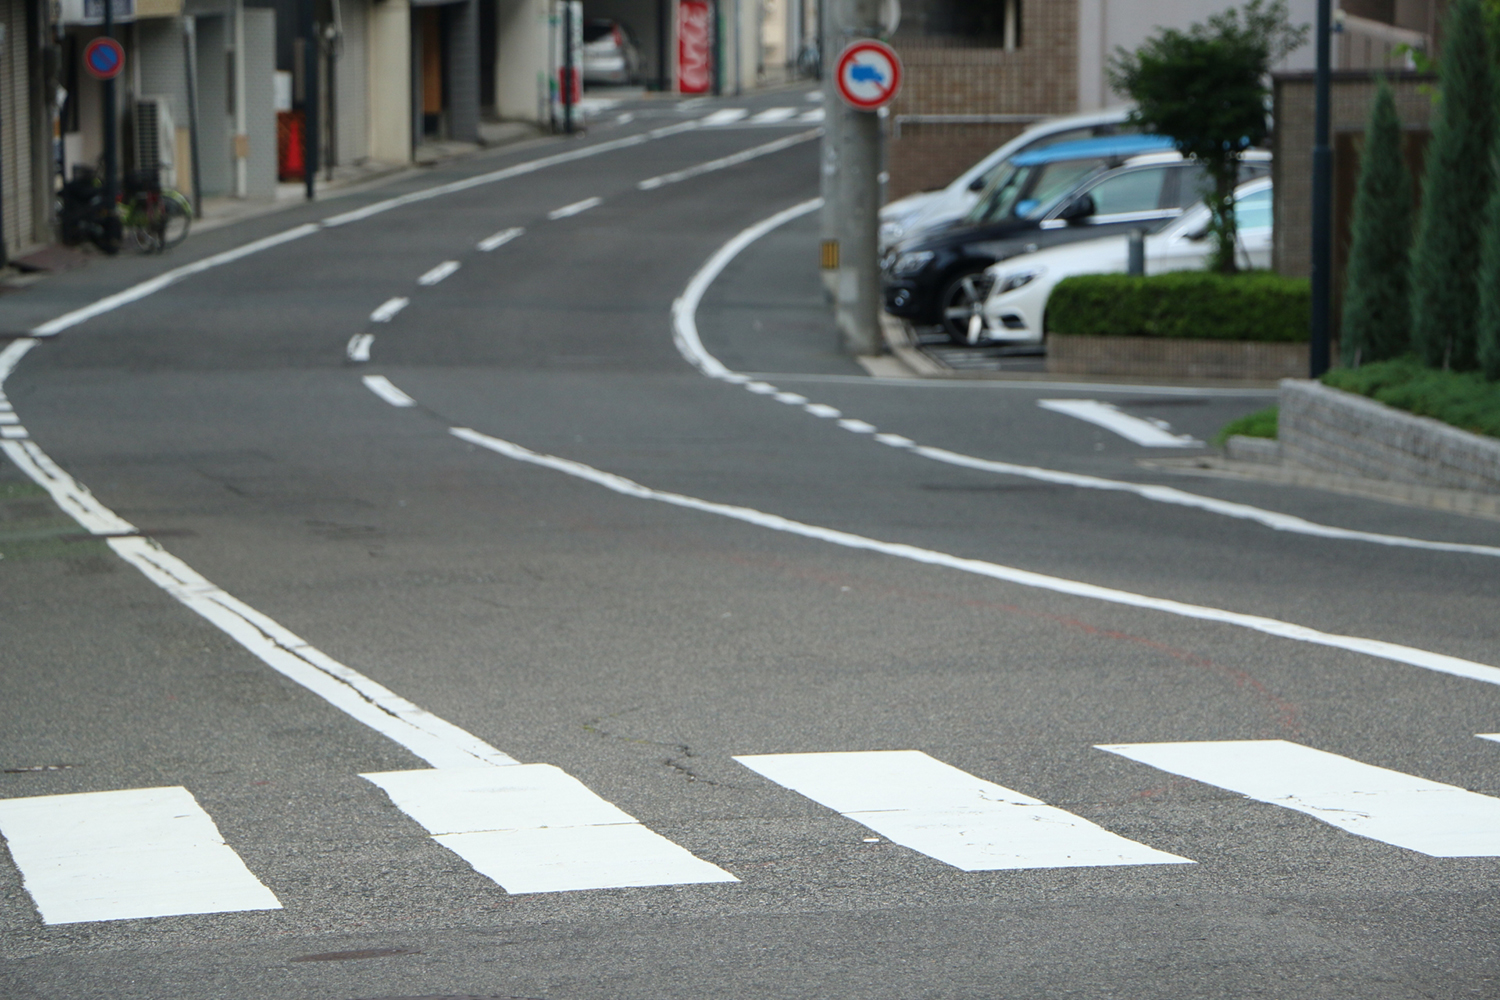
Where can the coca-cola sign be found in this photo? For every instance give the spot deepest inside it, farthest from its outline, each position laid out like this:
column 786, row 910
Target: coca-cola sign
column 695, row 51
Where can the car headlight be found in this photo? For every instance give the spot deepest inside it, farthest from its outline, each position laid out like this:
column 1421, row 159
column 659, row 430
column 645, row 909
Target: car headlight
column 891, row 231
column 912, row 261
column 1019, row 279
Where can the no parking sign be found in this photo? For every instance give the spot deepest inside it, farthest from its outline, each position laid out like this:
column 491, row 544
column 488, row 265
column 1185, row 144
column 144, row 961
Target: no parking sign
column 868, row 74
column 103, row 58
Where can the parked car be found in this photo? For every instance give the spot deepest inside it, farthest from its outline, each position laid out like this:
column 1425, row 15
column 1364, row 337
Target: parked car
column 927, row 209
column 610, row 52
column 1015, row 291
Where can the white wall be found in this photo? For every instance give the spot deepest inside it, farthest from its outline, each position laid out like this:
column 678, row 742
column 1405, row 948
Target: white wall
column 389, row 79
column 1104, row 25
column 521, row 60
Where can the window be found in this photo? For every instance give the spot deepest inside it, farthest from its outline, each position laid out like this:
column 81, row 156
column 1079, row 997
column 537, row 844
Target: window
column 989, row 24
column 1253, row 211
column 1130, row 191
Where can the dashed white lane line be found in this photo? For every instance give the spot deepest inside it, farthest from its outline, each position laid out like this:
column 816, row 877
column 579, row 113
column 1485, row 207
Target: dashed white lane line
column 501, row 238
column 823, row 410
column 388, row 309
column 938, row 810
column 382, row 387
column 685, row 337
column 857, row 426
column 574, row 209
column 812, row 117
column 359, row 346
column 724, row 116
column 725, row 162
column 1442, row 821
column 438, row 273
column 1150, row 433
column 1438, row 662
column 122, row 855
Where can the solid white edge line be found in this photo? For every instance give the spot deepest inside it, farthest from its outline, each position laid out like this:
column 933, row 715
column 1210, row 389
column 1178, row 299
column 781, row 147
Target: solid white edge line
column 1439, row 662
column 722, row 163
column 139, row 291
column 688, row 343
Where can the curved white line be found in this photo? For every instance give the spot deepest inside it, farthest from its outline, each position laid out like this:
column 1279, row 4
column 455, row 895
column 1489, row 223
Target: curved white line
column 1440, row 662
column 690, row 346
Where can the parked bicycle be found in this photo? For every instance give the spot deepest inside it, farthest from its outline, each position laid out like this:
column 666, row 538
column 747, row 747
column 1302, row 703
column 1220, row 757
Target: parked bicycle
column 158, row 219
column 83, row 213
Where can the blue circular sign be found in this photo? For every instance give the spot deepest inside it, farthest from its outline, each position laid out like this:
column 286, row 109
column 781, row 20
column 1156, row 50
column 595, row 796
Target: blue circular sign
column 103, row 58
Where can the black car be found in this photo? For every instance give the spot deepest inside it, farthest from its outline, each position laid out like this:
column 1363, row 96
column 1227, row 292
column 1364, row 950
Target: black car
column 1070, row 191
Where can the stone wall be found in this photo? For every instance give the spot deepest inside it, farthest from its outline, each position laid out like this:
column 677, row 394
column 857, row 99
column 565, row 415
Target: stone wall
column 1174, row 357
column 1334, row 431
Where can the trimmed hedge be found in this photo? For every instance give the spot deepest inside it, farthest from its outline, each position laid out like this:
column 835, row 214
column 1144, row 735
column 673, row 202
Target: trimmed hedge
column 1260, row 424
column 1464, row 399
column 1255, row 305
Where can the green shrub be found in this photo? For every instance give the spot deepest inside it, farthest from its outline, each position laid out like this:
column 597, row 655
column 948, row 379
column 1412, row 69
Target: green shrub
column 1464, row 399
column 1257, row 305
column 1260, row 424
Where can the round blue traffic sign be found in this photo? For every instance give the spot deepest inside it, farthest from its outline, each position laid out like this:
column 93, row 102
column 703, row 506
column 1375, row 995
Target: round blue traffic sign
column 103, row 58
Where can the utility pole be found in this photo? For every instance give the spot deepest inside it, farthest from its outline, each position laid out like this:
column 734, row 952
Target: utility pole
column 1322, row 203
column 851, row 167
column 111, row 126
column 310, row 141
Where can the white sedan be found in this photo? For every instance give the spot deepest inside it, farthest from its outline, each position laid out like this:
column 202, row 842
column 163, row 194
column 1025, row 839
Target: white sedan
column 1014, row 309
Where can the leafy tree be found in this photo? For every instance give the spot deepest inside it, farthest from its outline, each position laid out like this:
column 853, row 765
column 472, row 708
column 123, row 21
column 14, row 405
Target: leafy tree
column 1206, row 88
column 1377, row 308
column 1455, row 196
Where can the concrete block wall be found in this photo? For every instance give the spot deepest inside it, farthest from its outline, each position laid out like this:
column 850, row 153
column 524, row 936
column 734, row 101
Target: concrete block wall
column 1333, row 431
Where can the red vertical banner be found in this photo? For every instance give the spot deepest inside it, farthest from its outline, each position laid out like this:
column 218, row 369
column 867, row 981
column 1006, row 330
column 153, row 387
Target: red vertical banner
column 695, row 48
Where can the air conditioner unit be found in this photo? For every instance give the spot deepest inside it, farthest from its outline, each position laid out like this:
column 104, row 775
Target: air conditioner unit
column 156, row 138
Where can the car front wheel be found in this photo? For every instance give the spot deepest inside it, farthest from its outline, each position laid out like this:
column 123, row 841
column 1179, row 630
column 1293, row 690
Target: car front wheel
column 963, row 306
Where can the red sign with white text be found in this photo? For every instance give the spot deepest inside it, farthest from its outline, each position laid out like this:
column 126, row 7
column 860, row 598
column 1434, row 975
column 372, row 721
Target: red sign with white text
column 695, row 51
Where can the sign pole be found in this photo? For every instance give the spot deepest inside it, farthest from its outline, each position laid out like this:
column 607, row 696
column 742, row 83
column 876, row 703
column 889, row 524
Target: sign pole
column 111, row 124
column 309, row 97
column 866, row 76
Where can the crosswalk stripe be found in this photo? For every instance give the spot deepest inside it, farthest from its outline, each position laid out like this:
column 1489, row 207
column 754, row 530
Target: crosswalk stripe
column 724, row 116
column 815, row 115
column 141, row 852
column 1443, row 821
column 938, row 810
column 772, row 115
column 535, row 828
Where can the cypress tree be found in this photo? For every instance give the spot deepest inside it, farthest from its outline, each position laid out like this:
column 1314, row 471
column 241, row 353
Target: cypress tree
column 1377, row 307
column 1489, row 287
column 1455, row 196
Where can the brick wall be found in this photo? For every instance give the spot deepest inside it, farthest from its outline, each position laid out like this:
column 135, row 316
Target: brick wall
column 1038, row 78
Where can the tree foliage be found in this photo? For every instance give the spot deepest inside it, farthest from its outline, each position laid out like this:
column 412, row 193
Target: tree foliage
column 1489, row 286
column 1377, row 307
column 1206, row 88
column 1455, row 196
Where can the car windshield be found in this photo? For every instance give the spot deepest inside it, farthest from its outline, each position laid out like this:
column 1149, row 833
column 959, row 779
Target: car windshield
column 1027, row 192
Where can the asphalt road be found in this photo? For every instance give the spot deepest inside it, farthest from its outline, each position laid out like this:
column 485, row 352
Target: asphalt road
column 640, row 641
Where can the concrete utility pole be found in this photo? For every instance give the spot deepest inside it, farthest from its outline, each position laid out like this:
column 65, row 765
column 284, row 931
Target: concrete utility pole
column 851, row 183
column 1322, row 202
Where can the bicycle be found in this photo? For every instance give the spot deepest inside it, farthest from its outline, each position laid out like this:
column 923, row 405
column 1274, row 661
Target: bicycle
column 83, row 214
column 158, row 219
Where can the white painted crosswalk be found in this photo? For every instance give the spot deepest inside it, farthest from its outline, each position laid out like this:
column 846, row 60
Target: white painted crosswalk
column 770, row 116
column 938, row 810
column 142, row 852
column 533, row 828
column 1429, row 817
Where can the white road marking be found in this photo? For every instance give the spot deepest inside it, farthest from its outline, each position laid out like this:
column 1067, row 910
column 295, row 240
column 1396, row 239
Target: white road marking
column 1112, row 418
column 579, row 856
column 501, row 238
column 727, row 161
column 724, row 116
column 359, row 346
column 813, row 116
column 790, row 397
column 857, row 426
column 761, row 388
column 535, row 828
column 143, row 852
column 438, row 273
column 688, row 343
column 1489, row 736
column 139, row 291
column 822, row 410
column 13, row 432
column 771, row 116
column 383, row 387
column 1443, row 821
column 938, row 810
column 575, row 208
column 388, row 309
column 1427, row 660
